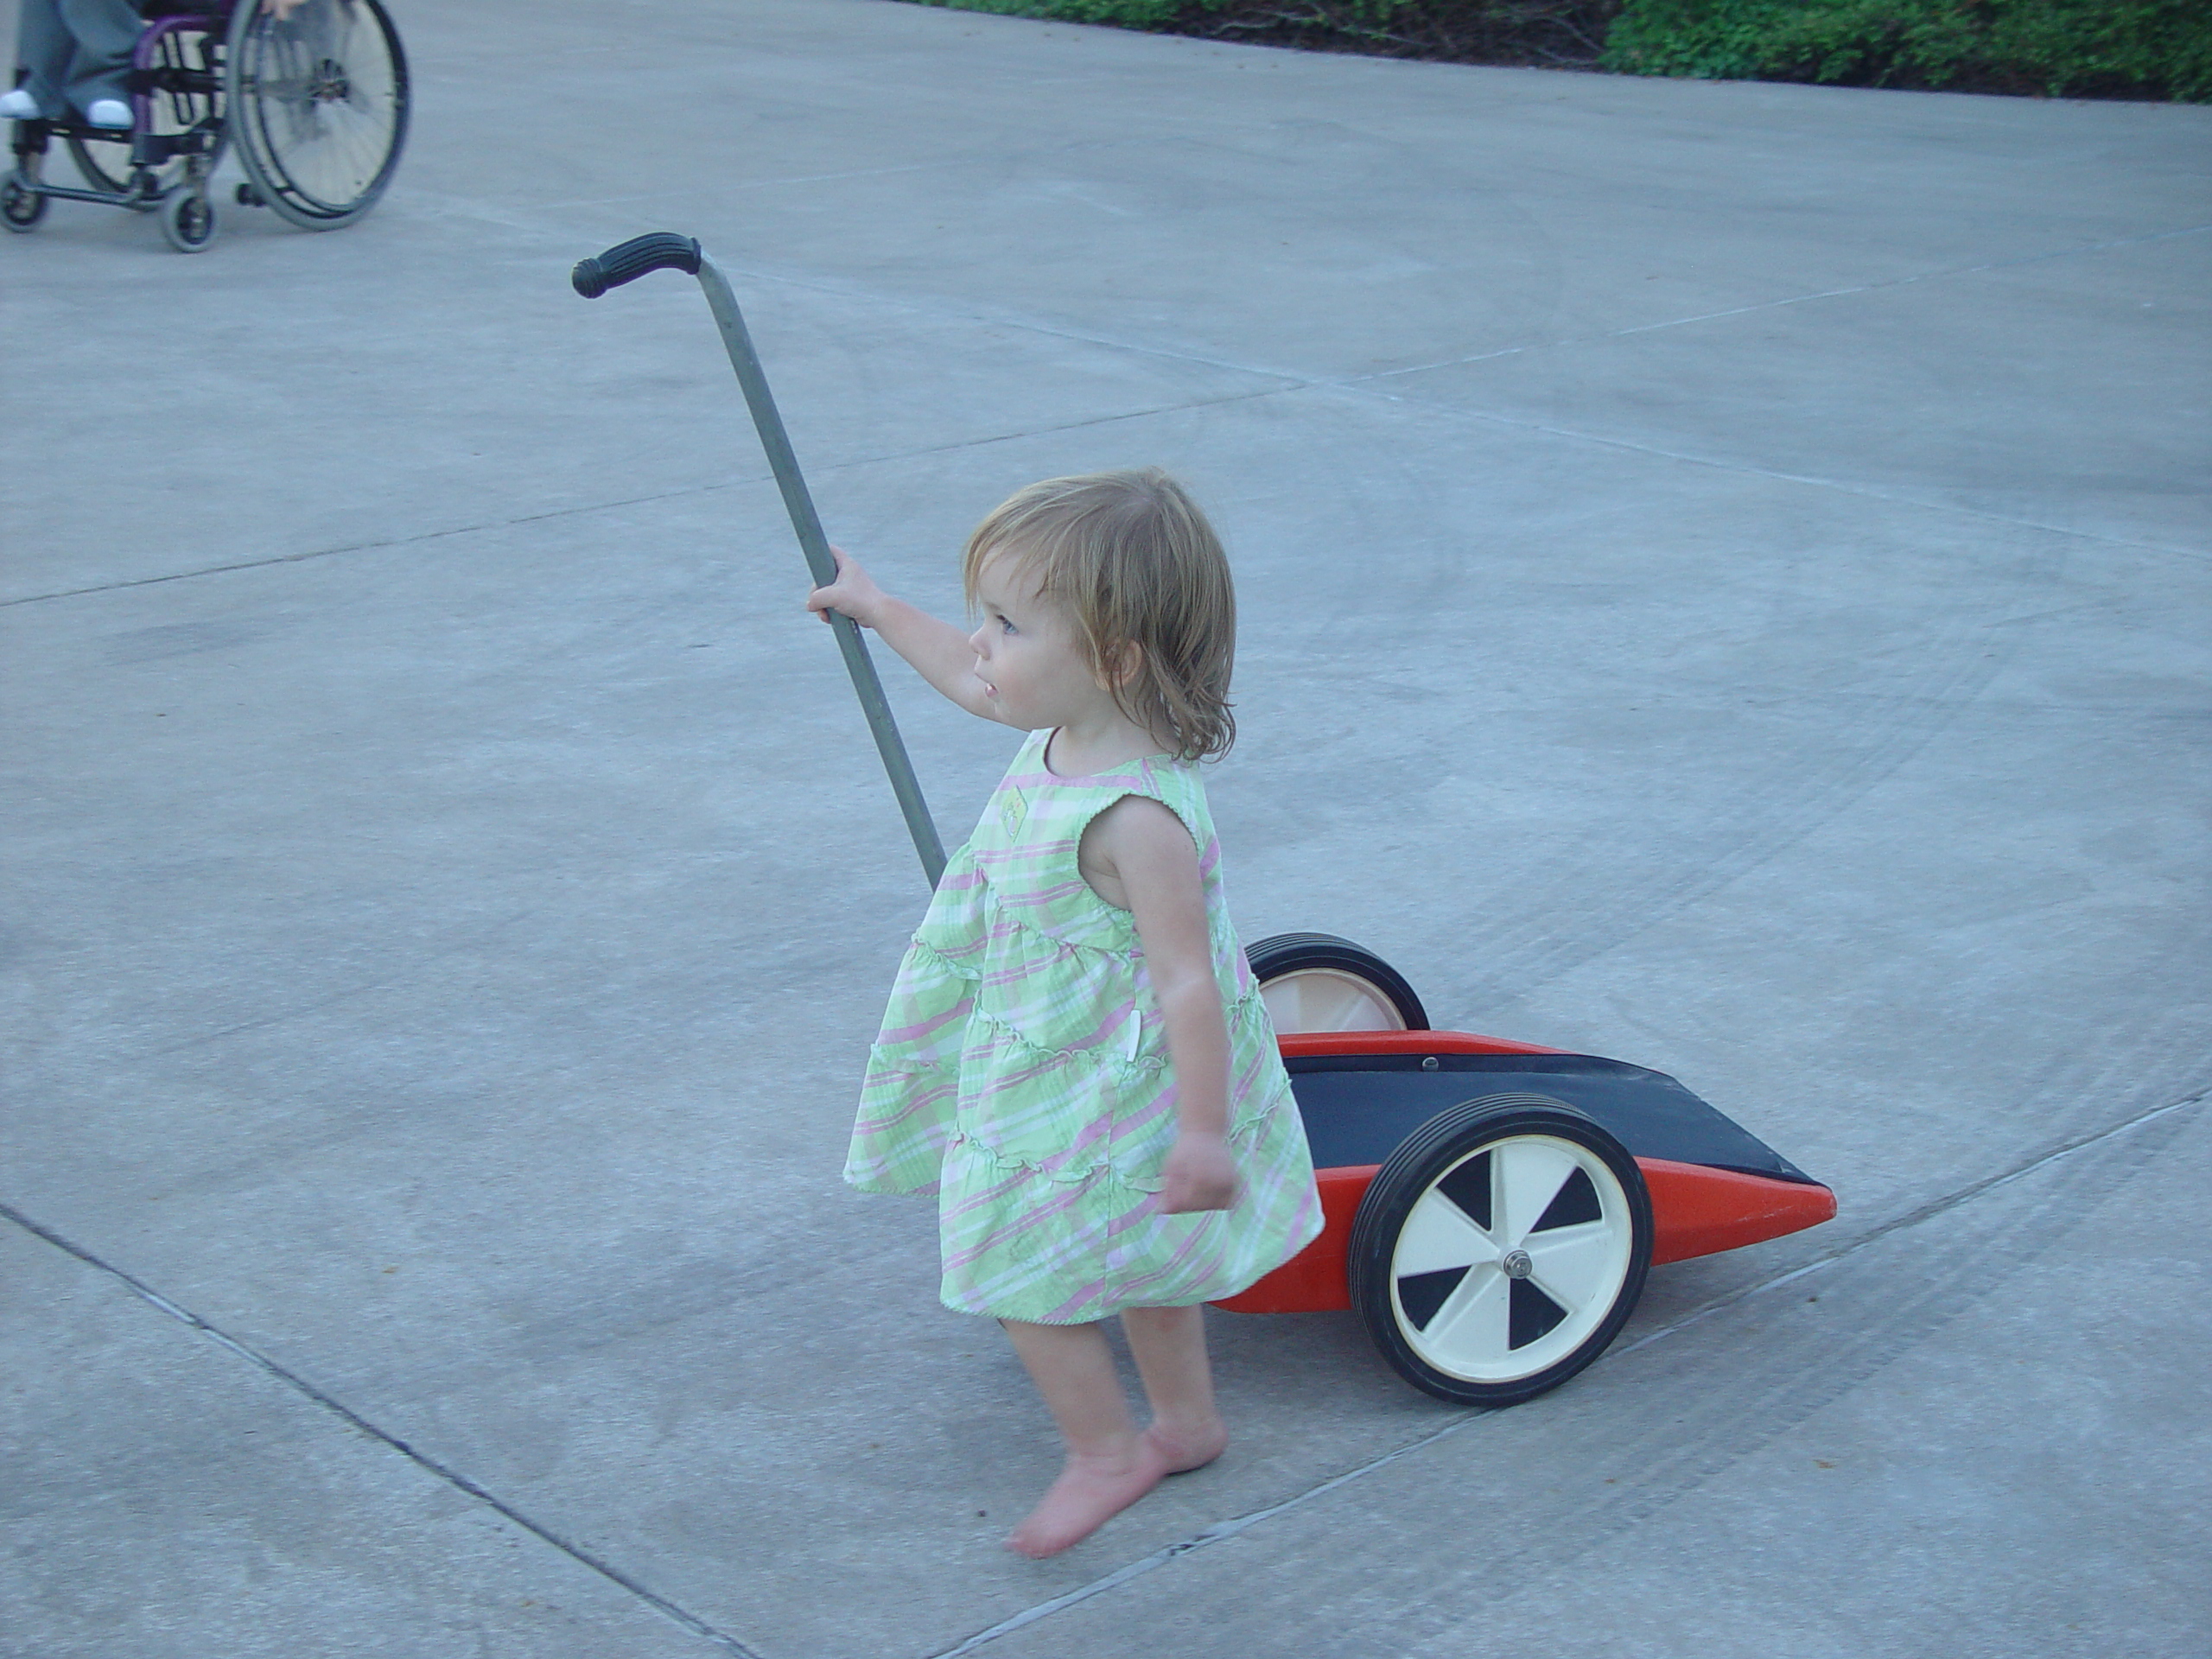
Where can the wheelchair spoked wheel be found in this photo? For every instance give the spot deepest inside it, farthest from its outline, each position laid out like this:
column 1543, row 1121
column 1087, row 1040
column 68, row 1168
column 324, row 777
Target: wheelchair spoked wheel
column 318, row 107
column 105, row 165
column 185, row 95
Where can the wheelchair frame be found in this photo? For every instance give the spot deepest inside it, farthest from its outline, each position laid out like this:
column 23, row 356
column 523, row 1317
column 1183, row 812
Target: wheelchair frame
column 197, row 82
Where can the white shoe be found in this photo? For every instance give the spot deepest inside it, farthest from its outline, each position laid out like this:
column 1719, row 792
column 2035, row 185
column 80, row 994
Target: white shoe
column 19, row 105
column 108, row 112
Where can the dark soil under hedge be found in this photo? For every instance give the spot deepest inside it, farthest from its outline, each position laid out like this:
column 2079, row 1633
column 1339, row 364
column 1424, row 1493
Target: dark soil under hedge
column 1561, row 33
column 2075, row 49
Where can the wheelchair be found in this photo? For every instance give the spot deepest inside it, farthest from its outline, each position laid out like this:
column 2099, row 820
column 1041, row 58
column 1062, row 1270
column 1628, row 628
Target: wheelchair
column 315, row 104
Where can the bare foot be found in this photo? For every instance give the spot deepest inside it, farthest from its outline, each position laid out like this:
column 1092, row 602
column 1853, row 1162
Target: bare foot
column 1091, row 1491
column 1184, row 1450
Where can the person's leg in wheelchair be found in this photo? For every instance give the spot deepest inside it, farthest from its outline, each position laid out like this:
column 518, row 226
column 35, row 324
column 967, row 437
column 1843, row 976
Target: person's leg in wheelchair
column 78, row 56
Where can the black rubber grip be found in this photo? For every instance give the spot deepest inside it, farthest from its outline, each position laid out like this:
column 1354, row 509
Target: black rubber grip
column 628, row 261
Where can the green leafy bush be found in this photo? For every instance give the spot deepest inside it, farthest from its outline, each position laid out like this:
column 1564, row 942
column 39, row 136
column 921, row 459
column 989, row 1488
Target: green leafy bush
column 2143, row 49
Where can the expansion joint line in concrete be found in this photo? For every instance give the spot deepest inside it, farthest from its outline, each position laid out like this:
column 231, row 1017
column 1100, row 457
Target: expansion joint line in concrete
column 1289, row 383
column 354, row 1420
column 1787, row 300
column 1222, row 1531
column 736, row 481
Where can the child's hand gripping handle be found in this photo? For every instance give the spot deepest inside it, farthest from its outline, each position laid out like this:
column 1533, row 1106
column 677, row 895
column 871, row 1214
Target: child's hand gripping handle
column 665, row 251
column 628, row 261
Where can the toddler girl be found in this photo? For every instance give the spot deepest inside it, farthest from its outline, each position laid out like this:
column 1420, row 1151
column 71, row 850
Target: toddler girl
column 1076, row 1059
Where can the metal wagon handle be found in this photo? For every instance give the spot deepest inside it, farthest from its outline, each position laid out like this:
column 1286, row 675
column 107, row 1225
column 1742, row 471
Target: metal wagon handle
column 665, row 251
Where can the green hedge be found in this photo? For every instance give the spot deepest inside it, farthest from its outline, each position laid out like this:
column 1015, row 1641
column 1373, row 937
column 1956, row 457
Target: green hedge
column 2072, row 48
column 2064, row 48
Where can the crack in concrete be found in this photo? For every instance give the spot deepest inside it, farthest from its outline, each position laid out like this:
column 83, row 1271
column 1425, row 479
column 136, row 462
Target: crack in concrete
column 1223, row 1531
column 354, row 1420
column 1366, row 385
column 1217, row 1533
column 739, row 481
column 1927, row 1211
column 1747, row 469
column 1801, row 299
column 1520, row 949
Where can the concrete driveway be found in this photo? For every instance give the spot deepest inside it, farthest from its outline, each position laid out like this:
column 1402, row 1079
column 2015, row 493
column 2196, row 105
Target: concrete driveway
column 1726, row 586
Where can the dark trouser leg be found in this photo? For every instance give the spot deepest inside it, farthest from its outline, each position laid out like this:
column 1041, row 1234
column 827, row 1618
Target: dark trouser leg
column 44, row 47
column 104, row 32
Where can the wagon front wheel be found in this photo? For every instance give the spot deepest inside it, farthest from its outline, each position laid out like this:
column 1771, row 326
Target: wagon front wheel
column 1500, row 1250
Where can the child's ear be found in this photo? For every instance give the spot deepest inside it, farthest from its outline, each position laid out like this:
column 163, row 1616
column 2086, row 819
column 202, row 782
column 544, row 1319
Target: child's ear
column 1123, row 660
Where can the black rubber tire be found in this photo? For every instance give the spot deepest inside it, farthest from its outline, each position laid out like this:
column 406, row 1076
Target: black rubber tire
column 187, row 220
column 1612, row 1246
column 1284, row 954
column 287, row 84
column 21, row 206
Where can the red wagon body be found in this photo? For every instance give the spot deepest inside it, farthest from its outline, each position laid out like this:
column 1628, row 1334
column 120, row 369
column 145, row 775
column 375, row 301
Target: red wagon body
column 1711, row 1186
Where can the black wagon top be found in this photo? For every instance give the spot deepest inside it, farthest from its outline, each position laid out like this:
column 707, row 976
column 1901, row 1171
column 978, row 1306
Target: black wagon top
column 1359, row 1107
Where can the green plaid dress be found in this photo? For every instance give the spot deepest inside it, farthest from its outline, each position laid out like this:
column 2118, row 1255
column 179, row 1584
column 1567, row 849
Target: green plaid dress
column 1021, row 1075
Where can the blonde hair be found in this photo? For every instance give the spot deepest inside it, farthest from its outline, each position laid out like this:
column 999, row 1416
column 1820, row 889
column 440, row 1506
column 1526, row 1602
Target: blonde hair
column 1135, row 562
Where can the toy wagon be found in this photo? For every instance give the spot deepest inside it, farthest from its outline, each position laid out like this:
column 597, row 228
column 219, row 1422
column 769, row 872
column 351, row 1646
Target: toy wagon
column 1491, row 1207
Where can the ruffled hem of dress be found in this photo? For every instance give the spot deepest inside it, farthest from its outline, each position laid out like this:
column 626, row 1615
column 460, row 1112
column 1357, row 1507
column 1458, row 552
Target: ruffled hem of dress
column 1039, row 1304
column 1236, row 1009
column 1006, row 1037
column 1247, row 1128
column 1108, row 1306
column 882, row 1186
column 883, row 1063
column 920, row 948
column 985, row 898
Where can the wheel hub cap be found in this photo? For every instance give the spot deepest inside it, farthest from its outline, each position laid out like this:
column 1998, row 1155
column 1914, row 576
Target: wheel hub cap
column 1510, row 1258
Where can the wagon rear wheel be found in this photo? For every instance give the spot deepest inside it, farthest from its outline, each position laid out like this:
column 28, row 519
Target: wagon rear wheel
column 1500, row 1250
column 1317, row 982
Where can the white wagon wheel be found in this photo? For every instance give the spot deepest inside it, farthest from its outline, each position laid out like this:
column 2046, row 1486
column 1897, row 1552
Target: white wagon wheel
column 1500, row 1250
column 1317, row 982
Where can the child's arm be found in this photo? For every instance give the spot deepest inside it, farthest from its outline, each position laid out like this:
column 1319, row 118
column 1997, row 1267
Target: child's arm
column 938, row 651
column 1138, row 854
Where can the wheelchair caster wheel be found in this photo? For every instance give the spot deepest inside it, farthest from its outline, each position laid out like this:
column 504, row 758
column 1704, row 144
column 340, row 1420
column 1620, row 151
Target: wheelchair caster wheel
column 247, row 196
column 21, row 206
column 187, row 220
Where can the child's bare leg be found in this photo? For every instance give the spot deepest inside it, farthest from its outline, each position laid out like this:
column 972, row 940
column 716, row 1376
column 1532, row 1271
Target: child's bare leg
column 1169, row 1345
column 1110, row 1466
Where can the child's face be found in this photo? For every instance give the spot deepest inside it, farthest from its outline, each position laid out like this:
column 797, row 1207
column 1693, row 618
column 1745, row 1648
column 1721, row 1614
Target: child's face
column 1028, row 655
